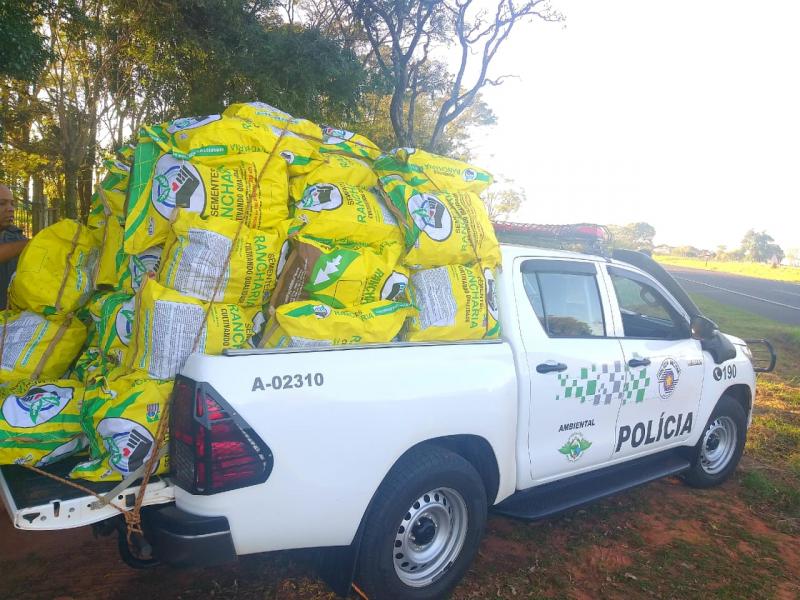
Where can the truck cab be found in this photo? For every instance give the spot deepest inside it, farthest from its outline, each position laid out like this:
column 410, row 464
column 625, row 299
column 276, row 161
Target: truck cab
column 390, row 456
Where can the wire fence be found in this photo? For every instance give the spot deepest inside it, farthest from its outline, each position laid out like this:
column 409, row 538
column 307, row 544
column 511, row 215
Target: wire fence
column 34, row 216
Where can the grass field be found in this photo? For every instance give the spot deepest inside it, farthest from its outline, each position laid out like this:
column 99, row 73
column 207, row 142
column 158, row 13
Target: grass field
column 743, row 324
column 761, row 270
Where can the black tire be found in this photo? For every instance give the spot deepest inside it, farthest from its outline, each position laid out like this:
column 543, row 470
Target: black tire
column 705, row 473
column 424, row 469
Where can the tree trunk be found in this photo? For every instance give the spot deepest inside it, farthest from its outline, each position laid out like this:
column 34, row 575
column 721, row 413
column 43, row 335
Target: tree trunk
column 71, row 190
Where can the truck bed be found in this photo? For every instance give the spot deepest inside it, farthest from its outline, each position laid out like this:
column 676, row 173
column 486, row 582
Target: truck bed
column 37, row 502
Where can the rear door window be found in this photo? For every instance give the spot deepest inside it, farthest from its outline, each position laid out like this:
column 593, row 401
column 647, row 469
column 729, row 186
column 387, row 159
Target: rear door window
column 565, row 298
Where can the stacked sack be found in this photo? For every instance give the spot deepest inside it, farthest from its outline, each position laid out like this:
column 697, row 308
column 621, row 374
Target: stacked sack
column 249, row 228
column 41, row 335
column 450, row 244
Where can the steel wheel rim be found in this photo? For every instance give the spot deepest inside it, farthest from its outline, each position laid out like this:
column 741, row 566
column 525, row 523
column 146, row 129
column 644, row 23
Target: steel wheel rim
column 430, row 537
column 718, row 446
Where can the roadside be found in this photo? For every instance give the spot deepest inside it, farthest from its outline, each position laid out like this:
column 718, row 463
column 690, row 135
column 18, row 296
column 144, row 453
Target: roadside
column 775, row 300
column 749, row 269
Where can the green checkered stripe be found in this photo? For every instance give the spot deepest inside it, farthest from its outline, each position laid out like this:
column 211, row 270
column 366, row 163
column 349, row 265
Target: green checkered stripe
column 636, row 386
column 603, row 384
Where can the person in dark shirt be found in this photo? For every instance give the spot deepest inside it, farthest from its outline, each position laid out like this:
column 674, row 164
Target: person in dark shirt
column 12, row 241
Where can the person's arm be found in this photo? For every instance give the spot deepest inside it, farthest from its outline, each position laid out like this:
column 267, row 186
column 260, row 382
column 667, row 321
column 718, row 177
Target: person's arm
column 9, row 250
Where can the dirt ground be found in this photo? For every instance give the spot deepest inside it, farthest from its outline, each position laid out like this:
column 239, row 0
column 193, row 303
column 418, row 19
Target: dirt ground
column 741, row 540
column 663, row 541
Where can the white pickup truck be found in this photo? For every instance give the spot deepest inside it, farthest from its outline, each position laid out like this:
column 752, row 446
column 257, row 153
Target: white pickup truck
column 389, row 457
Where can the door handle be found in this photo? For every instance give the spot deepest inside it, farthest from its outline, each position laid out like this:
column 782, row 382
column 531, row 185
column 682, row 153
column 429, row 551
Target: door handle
column 550, row 367
column 639, row 362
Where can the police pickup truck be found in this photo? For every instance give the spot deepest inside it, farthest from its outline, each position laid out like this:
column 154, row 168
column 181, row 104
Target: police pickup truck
column 387, row 458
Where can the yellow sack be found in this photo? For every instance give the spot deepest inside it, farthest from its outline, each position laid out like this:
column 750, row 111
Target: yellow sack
column 88, row 364
column 343, row 141
column 335, row 170
column 432, row 173
column 217, row 135
column 121, row 271
column 114, row 313
column 35, row 346
column 167, row 323
column 309, row 323
column 109, row 197
column 269, row 116
column 243, row 187
column 196, row 259
column 455, row 303
column 40, row 421
column 211, row 135
column 121, row 418
column 443, row 228
column 341, row 276
column 347, row 213
column 55, row 273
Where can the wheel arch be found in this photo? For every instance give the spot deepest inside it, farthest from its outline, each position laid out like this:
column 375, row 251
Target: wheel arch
column 743, row 395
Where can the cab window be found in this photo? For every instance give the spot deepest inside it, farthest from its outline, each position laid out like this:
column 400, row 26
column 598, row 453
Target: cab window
column 566, row 302
column 645, row 311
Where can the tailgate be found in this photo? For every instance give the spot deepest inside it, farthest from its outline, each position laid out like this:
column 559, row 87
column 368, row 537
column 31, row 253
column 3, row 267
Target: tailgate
column 39, row 503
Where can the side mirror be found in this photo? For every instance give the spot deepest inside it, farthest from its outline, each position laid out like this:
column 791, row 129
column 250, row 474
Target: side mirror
column 702, row 327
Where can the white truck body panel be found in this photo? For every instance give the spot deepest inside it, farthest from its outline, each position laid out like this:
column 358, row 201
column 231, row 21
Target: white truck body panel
column 333, row 444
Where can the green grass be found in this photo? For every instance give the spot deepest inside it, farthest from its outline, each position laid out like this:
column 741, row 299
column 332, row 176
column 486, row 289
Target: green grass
column 744, row 324
column 750, row 269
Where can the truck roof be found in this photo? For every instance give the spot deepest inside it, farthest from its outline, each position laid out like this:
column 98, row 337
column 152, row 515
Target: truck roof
column 514, row 250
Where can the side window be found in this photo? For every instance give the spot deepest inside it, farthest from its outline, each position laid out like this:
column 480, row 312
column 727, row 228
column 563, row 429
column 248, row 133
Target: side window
column 567, row 304
column 645, row 312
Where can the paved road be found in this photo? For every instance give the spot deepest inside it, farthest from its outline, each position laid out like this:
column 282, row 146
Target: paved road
column 775, row 300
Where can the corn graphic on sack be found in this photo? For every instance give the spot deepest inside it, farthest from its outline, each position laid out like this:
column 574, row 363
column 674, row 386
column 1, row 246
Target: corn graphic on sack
column 251, row 188
column 196, row 252
column 432, row 173
column 341, row 276
column 455, row 303
column 310, row 323
column 443, row 228
column 55, row 273
column 121, row 418
column 40, row 421
column 32, row 345
column 167, row 324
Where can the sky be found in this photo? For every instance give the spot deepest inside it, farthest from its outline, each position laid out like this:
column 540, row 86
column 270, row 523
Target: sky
column 682, row 114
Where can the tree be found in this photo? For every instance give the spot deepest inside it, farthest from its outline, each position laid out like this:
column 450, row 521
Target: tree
column 503, row 200
column 113, row 65
column 633, row 236
column 401, row 37
column 23, row 48
column 760, row 247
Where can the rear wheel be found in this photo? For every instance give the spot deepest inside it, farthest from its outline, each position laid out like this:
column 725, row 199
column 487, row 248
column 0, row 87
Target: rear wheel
column 424, row 528
column 721, row 445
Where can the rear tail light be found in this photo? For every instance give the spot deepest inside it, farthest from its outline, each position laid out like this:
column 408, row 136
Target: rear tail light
column 212, row 448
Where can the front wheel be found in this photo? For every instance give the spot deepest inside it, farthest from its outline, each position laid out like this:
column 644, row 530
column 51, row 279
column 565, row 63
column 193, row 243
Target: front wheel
column 721, row 445
column 424, row 528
